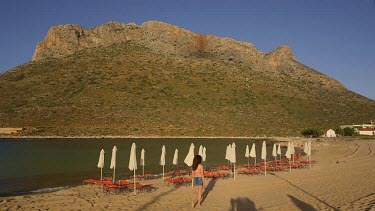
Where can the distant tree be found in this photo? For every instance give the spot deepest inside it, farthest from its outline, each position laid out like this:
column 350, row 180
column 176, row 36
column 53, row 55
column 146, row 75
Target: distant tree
column 339, row 131
column 307, row 132
column 312, row 132
column 348, row 131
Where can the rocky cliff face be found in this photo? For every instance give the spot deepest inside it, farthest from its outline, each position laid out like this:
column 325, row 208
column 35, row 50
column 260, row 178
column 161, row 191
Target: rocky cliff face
column 161, row 37
column 164, row 38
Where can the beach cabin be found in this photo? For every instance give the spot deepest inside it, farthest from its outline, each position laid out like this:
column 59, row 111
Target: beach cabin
column 329, row 133
column 366, row 131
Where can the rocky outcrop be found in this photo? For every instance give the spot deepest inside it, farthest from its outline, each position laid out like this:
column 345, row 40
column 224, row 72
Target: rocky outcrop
column 280, row 55
column 66, row 39
column 161, row 37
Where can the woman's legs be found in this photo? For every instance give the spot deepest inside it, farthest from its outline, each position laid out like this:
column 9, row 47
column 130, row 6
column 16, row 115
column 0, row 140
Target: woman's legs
column 199, row 194
column 195, row 195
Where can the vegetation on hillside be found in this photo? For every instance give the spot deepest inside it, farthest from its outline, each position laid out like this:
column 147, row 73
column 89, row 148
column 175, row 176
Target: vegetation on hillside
column 128, row 89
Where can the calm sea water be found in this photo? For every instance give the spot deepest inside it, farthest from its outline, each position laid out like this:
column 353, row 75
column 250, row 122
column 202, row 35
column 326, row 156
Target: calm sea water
column 29, row 165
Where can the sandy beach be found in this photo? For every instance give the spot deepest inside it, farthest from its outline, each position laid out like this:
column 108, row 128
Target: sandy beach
column 343, row 179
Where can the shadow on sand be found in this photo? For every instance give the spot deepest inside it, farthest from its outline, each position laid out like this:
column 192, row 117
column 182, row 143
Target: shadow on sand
column 209, row 187
column 156, row 198
column 302, row 205
column 307, row 193
column 242, row 204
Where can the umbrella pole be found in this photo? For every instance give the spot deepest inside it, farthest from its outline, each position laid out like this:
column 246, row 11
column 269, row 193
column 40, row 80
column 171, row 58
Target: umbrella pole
column 143, row 170
column 275, row 163
column 248, row 162
column 114, row 174
column 310, row 161
column 135, row 186
column 234, row 171
column 163, row 173
column 265, row 167
column 101, row 173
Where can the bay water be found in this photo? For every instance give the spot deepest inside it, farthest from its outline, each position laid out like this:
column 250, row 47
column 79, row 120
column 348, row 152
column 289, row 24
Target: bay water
column 38, row 165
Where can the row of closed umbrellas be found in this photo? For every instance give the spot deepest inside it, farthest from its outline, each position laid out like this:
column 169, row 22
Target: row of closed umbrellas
column 230, row 155
column 133, row 159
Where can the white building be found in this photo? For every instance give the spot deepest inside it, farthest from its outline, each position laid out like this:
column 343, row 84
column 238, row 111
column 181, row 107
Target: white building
column 365, row 131
column 329, row 133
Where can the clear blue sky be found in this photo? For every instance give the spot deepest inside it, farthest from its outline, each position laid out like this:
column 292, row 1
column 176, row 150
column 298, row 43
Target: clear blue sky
column 335, row 37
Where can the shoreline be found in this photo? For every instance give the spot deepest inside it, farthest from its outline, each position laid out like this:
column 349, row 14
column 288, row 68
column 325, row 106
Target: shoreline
column 155, row 137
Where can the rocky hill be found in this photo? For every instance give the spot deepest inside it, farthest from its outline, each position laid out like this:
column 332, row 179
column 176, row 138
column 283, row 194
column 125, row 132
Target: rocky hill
column 159, row 79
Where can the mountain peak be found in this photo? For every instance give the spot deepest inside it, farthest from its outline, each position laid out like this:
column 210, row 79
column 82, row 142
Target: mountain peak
column 279, row 55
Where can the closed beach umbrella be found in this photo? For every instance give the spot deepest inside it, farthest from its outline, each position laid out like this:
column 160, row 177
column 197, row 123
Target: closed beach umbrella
column 101, row 163
column 204, row 154
column 233, row 159
column 142, row 161
column 287, row 155
column 279, row 150
column 133, row 163
column 264, row 156
column 247, row 154
column 305, row 147
column 200, row 151
column 190, row 156
column 175, row 157
column 227, row 153
column 253, row 154
column 162, row 159
column 113, row 162
column 274, row 152
column 292, row 151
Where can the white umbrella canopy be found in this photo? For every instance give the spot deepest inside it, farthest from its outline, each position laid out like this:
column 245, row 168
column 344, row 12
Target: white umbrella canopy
column 288, row 155
column 309, row 148
column 204, row 154
column 247, row 154
column 305, row 147
column 264, row 150
column 162, row 159
column 253, row 153
column 113, row 162
column 292, row 151
column 190, row 156
column 233, row 158
column 200, row 150
column 133, row 163
column 274, row 150
column 133, row 159
column 279, row 150
column 264, row 156
column 175, row 157
column 101, row 163
column 142, row 161
column 227, row 152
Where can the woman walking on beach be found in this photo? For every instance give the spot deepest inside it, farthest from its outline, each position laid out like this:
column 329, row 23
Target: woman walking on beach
column 198, row 179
